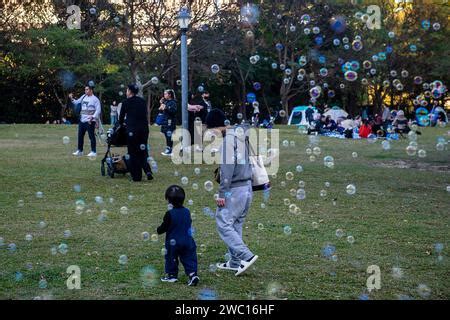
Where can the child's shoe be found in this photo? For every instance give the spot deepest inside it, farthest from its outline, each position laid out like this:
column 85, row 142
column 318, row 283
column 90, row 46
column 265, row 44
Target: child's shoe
column 169, row 278
column 193, row 280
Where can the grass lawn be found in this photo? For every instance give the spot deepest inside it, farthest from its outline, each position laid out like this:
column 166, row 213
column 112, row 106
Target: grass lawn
column 400, row 210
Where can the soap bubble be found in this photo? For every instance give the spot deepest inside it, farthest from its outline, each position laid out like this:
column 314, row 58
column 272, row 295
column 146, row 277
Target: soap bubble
column 154, row 80
column 98, row 199
column 39, row 194
column 328, row 162
column 438, row 247
column 124, row 210
column 63, row 248
column 287, row 230
column 357, row 45
column 351, row 189
column 18, row 276
column 440, row 146
column 339, row 233
column 411, row 150
column 397, row 273
column 323, row 193
column 67, row 234
column 215, row 68
column 350, row 239
column 436, row 26
column 422, row 153
column 145, row 236
column 207, row 294
column 123, row 259
column 328, row 251
column 20, row 203
column 12, row 247
column 299, row 168
column 43, row 284
column 355, row 154
column 289, row 176
column 386, row 145
column 149, row 277
column 66, row 140
column 184, row 181
column 350, row 75
column 423, row 290
column 209, row 186
column 28, row 237
column 338, row 24
column 301, row 194
column 317, row 151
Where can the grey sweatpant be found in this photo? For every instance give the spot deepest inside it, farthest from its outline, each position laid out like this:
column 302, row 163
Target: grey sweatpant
column 230, row 220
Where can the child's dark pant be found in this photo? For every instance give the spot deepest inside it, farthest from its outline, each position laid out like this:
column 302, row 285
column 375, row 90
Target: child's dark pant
column 187, row 256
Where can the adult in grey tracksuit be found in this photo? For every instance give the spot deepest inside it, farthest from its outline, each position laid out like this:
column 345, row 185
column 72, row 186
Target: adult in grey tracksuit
column 235, row 192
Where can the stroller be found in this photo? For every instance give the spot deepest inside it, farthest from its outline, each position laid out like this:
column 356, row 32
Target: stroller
column 115, row 163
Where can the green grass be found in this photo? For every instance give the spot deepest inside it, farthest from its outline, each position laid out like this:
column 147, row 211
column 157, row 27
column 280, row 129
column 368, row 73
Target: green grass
column 396, row 217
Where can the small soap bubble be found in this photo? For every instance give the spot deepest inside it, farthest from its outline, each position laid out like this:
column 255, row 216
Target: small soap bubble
column 43, row 284
column 351, row 189
column 123, row 259
column 339, row 233
column 424, row 291
column 63, row 248
column 209, row 186
column 289, row 176
column 287, row 230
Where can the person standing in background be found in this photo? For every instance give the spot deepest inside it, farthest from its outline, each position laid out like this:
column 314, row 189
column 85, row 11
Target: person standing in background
column 113, row 113
column 134, row 108
column 89, row 117
column 169, row 107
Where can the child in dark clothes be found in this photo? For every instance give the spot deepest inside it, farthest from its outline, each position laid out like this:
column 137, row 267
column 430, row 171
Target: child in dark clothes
column 179, row 242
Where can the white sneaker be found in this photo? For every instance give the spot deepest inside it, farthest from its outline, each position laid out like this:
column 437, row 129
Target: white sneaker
column 78, row 153
column 92, row 154
column 226, row 266
column 245, row 265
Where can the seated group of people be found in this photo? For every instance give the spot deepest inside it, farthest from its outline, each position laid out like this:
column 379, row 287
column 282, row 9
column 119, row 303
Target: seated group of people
column 363, row 127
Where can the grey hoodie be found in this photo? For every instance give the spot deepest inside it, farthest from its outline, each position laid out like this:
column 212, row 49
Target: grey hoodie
column 235, row 169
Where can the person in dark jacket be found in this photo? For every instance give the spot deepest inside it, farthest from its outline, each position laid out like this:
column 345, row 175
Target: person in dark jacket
column 134, row 115
column 177, row 224
column 197, row 111
column 169, row 108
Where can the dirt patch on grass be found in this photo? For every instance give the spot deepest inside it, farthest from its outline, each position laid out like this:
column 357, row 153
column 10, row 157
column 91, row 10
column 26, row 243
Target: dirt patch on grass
column 407, row 164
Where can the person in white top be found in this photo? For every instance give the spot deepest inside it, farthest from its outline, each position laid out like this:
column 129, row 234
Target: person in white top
column 114, row 116
column 89, row 117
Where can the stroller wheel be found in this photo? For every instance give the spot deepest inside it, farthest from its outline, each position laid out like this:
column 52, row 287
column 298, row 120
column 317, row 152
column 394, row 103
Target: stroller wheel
column 110, row 172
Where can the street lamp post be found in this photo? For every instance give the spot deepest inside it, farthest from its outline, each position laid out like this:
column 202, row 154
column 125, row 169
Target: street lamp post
column 184, row 19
